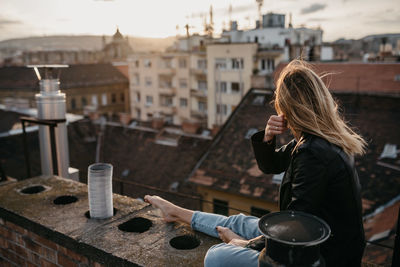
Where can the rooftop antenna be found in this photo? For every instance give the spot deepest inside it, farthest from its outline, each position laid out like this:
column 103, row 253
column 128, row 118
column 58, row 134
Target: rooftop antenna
column 211, row 25
column 51, row 106
column 230, row 14
column 260, row 4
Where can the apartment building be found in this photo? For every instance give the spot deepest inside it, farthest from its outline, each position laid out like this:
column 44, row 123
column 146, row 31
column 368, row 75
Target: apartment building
column 234, row 68
column 202, row 80
column 171, row 85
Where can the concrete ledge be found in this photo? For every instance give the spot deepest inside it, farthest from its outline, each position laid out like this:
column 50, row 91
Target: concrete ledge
column 98, row 240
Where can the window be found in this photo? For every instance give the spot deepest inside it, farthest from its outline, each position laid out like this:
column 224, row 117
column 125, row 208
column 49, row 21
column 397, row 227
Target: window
column 237, row 63
column 222, row 109
column 137, row 96
column 202, row 64
column 202, row 106
column 104, row 99
column 166, row 63
column 137, row 63
column 182, row 63
column 277, row 178
column 397, row 78
column 138, row 114
column 220, row 207
column 220, row 63
column 183, row 102
column 113, row 98
column 235, row 88
column 84, row 101
column 166, row 101
column 149, row 100
column 165, row 83
column 222, row 87
column 135, row 79
column 148, row 82
column 147, row 63
column 263, row 64
column 73, row 103
column 258, row 212
column 182, row 83
column 122, row 97
column 202, row 85
column 94, row 100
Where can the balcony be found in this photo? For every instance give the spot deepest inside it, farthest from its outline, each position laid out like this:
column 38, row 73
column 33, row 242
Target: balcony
column 198, row 72
column 198, row 114
column 262, row 81
column 167, row 91
column 200, row 93
column 168, row 71
column 168, row 110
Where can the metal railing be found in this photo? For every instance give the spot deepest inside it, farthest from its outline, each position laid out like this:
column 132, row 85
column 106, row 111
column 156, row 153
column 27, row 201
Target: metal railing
column 52, row 124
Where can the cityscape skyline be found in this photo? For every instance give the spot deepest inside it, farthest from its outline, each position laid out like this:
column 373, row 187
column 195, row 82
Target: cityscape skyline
column 351, row 19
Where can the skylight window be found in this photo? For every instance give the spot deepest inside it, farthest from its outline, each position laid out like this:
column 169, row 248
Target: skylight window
column 259, row 100
column 380, row 236
column 277, row 178
column 389, row 151
column 250, row 132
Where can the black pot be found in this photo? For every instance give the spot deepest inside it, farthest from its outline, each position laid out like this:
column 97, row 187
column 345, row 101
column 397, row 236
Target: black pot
column 293, row 238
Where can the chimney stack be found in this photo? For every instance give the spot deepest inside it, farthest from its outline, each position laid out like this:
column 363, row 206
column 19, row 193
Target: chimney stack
column 51, row 106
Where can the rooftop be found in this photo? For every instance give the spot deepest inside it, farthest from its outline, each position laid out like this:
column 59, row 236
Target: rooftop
column 79, row 75
column 365, row 78
column 229, row 163
column 139, row 160
column 52, row 223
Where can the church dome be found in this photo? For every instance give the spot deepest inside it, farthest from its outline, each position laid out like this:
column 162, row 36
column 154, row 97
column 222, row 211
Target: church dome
column 117, row 35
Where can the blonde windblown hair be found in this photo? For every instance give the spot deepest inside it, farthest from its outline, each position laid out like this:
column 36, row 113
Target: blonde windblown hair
column 302, row 97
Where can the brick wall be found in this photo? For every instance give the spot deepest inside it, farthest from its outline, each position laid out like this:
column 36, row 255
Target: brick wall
column 20, row 247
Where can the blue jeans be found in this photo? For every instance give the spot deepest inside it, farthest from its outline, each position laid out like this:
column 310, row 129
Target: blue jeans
column 224, row 254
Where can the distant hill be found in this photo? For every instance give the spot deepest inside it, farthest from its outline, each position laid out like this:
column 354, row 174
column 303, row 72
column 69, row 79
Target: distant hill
column 79, row 42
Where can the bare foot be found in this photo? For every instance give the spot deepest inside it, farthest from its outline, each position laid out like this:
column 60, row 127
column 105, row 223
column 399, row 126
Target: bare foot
column 167, row 208
column 227, row 235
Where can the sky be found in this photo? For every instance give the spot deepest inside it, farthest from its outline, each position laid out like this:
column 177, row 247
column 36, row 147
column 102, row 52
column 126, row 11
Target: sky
column 163, row 18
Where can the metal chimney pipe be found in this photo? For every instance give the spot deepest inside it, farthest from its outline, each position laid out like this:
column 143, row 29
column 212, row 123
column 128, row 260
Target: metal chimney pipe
column 51, row 106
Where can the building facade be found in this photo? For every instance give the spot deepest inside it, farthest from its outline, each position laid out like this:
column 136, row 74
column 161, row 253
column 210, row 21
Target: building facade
column 99, row 88
column 171, row 85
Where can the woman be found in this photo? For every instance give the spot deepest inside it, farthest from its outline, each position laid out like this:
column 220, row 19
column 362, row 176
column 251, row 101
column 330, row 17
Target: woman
column 320, row 177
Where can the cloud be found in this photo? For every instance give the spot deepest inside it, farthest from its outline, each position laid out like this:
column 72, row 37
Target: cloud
column 313, row 8
column 7, row 22
column 318, row 19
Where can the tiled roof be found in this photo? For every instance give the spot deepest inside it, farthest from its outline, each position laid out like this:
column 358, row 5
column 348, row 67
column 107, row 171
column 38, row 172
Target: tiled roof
column 135, row 155
column 358, row 77
column 8, row 119
column 123, row 68
column 151, row 163
column 381, row 229
column 79, row 75
column 230, row 166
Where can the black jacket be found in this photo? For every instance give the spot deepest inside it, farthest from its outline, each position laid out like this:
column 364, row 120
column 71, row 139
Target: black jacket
column 319, row 179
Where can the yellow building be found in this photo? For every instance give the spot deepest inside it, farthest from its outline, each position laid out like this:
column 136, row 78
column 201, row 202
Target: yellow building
column 231, row 67
column 171, row 85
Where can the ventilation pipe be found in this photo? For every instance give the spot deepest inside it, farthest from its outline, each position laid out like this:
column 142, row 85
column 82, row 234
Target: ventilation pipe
column 51, row 106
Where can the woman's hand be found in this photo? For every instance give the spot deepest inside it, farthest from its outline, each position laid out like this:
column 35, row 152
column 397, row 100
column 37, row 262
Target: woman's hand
column 239, row 242
column 275, row 125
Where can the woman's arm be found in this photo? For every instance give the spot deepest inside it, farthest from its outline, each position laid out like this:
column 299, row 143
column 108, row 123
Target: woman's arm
column 309, row 182
column 268, row 159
